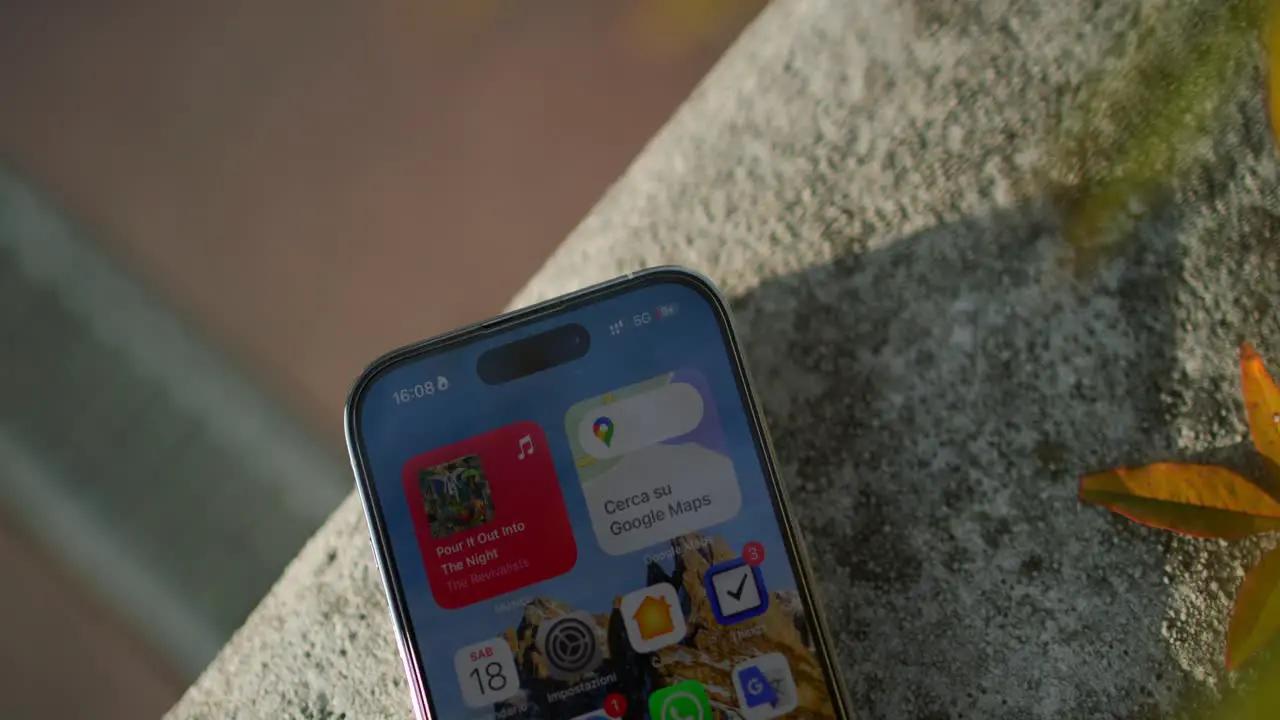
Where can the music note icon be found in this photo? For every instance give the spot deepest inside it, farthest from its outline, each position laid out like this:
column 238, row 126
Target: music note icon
column 526, row 447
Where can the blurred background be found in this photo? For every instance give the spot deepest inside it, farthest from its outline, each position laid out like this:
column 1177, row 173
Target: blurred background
column 212, row 216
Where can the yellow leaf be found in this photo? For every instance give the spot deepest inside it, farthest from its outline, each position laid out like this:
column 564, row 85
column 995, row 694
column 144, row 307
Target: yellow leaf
column 1261, row 403
column 1255, row 620
column 1197, row 500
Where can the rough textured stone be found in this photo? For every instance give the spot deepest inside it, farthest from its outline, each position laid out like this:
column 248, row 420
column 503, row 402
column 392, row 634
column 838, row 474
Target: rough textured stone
column 860, row 179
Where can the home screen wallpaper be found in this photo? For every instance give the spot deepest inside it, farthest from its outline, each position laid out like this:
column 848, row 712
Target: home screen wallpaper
column 597, row 540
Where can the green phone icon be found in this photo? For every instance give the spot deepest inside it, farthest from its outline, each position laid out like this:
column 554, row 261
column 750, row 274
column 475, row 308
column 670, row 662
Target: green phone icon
column 683, row 701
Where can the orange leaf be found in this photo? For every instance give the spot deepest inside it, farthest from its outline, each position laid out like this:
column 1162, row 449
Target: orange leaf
column 1255, row 621
column 1261, row 403
column 1198, row 500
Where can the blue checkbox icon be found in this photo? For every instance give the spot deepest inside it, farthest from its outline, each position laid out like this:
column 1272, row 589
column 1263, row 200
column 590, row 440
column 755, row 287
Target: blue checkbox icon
column 737, row 591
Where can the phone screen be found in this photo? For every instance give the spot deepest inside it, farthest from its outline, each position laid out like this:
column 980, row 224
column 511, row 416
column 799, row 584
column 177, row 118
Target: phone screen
column 596, row 539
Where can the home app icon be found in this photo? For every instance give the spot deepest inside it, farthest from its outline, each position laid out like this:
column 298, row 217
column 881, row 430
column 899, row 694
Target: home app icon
column 653, row 617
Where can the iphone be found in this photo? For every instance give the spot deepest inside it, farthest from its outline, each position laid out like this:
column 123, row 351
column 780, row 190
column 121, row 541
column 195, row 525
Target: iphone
column 576, row 514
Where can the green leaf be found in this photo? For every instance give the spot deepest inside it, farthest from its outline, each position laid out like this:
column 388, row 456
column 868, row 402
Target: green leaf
column 1257, row 697
column 1255, row 620
column 675, row 27
column 1271, row 43
column 1196, row 500
column 1142, row 122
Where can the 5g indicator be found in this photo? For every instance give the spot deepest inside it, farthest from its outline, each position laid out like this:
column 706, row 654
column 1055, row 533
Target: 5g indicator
column 645, row 317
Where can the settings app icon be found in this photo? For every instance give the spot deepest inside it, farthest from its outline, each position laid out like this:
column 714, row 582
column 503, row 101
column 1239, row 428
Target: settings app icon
column 570, row 644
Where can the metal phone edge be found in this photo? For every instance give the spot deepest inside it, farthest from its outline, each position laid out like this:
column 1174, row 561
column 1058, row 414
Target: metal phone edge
column 408, row 654
column 792, row 534
column 793, row 537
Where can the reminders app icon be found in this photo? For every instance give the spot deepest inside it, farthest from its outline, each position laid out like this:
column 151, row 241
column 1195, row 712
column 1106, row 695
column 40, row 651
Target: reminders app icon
column 737, row 591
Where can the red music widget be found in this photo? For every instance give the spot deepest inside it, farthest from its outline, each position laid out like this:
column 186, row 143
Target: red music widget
column 489, row 515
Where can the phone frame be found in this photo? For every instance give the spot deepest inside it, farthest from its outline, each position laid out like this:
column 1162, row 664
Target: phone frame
column 379, row 538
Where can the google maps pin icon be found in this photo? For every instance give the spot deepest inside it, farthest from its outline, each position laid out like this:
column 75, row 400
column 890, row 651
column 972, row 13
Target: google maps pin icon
column 603, row 429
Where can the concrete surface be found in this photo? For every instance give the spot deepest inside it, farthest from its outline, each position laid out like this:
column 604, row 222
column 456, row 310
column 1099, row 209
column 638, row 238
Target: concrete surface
column 859, row 178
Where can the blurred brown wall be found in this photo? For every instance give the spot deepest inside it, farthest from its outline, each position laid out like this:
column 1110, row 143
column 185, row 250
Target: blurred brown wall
column 63, row 657
column 316, row 182
column 313, row 183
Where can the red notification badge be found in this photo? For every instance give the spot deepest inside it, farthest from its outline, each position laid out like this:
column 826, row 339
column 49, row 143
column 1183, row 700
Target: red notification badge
column 615, row 705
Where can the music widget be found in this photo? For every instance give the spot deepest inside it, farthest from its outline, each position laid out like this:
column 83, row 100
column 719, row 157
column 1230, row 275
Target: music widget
column 489, row 515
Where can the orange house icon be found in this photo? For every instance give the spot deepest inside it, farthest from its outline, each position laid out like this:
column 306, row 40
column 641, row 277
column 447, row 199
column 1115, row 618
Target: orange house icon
column 653, row 617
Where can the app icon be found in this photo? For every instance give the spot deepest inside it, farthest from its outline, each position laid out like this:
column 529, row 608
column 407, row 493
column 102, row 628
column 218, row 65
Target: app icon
column 653, row 617
column 489, row 515
column 683, row 701
column 570, row 645
column 486, row 672
column 737, row 591
column 765, row 687
column 653, row 461
column 603, row 429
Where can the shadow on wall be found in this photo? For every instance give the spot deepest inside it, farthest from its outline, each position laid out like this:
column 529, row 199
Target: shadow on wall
column 932, row 404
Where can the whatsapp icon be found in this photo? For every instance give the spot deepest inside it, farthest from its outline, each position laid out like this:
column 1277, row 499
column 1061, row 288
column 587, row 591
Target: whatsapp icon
column 683, row 701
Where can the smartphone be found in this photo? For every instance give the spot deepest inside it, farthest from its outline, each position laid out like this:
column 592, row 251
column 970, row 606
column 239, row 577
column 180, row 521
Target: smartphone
column 576, row 514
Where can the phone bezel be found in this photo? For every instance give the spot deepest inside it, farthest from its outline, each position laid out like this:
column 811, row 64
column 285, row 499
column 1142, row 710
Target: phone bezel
column 379, row 538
